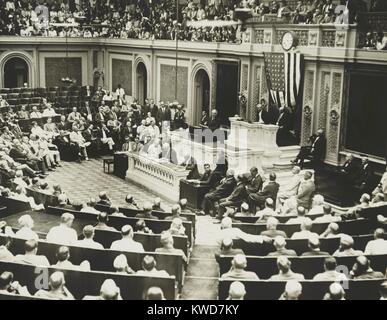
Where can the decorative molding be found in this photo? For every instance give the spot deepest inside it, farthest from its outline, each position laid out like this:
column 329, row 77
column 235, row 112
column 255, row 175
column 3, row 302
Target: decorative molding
column 307, row 118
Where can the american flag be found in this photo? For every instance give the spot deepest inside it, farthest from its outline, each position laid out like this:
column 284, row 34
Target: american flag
column 283, row 77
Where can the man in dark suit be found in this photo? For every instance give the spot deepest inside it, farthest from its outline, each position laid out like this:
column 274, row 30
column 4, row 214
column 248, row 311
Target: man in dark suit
column 153, row 108
column 349, row 168
column 236, row 197
column 314, row 248
column 87, row 92
column 285, row 124
column 266, row 114
column 214, row 121
column 104, row 199
column 269, row 191
column 316, row 151
column 364, row 177
column 191, row 165
column 224, row 189
column 255, row 182
column 164, row 114
column 210, row 178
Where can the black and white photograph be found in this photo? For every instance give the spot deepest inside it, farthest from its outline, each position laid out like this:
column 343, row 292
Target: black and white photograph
column 193, row 150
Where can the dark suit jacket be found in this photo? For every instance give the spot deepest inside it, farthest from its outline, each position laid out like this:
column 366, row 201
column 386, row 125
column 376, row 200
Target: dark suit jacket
column 153, row 109
column 192, row 167
column 164, row 115
column 364, row 175
column 319, row 148
column 255, row 184
column 350, row 169
column 269, row 116
column 239, row 194
column 212, row 179
column 214, row 123
column 225, row 188
column 269, row 191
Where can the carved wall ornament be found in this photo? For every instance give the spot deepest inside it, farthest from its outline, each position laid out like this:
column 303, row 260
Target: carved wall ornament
column 308, row 112
column 340, row 38
column 334, row 117
column 313, row 38
column 267, row 37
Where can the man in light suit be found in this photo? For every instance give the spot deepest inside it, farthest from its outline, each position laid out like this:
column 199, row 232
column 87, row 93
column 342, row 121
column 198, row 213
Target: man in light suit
column 269, row 191
column 305, row 191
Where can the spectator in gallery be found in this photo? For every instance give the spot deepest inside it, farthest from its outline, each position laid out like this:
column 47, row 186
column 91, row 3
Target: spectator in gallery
column 228, row 231
column 121, row 266
column 293, row 291
column 30, row 255
column 362, row 270
column 237, row 271
column 335, row 292
column 64, row 233
column 305, row 233
column 377, row 246
column 63, row 256
column 227, row 249
column 57, row 289
column 330, row 273
column 166, row 241
column 175, row 213
column 108, row 291
column 9, row 286
column 271, row 229
column 285, row 272
column 89, row 207
column 155, row 294
column 280, row 246
column 157, row 205
column 346, row 247
column 131, row 203
column 149, row 268
column 314, row 248
column 104, row 199
column 177, row 227
column 147, row 212
column 88, row 241
column 127, row 243
column 237, row 291
column 103, row 219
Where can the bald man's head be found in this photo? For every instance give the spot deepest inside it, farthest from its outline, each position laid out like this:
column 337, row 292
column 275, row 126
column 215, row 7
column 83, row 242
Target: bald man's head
column 237, row 291
column 239, row 261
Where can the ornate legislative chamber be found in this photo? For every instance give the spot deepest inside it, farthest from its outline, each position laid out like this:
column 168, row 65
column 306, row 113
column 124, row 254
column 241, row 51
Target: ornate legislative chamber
column 147, row 68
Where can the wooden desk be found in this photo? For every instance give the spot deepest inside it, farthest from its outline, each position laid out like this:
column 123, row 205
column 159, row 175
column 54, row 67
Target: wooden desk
column 194, row 193
column 120, row 165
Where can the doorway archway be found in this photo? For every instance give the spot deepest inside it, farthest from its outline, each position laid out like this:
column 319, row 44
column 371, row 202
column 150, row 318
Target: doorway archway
column 141, row 82
column 16, row 73
column 201, row 95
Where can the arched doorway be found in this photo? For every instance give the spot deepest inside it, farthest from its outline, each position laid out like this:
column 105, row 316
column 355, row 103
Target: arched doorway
column 15, row 73
column 142, row 82
column 201, row 95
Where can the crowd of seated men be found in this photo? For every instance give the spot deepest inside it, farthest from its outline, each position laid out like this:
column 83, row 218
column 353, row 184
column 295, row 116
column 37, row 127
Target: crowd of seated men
column 250, row 195
column 158, row 20
column 98, row 122
column 65, row 235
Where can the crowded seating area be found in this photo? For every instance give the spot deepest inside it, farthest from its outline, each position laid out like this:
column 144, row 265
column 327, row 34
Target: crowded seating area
column 209, row 21
column 255, row 220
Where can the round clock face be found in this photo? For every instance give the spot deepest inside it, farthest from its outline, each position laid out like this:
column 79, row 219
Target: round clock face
column 287, row 41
